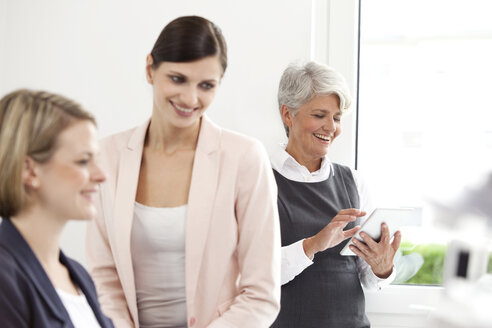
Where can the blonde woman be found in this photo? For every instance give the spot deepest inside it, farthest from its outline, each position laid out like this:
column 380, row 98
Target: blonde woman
column 49, row 176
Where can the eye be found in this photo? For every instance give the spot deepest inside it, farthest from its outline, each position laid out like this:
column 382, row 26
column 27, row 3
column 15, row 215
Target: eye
column 206, row 86
column 319, row 115
column 176, row 79
column 82, row 162
column 337, row 119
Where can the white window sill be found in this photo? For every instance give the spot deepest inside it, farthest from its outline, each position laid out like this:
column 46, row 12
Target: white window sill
column 403, row 299
column 402, row 306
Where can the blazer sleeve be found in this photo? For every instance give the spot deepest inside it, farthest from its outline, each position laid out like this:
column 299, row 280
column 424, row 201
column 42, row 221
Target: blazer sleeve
column 14, row 309
column 258, row 249
column 103, row 270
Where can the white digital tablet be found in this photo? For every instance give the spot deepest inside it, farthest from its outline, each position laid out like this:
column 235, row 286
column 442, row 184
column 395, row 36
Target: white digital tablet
column 395, row 218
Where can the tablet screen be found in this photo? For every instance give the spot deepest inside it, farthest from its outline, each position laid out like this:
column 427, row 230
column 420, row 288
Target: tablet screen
column 395, row 218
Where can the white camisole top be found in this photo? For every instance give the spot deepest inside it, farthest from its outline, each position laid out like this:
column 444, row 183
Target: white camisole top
column 78, row 309
column 158, row 256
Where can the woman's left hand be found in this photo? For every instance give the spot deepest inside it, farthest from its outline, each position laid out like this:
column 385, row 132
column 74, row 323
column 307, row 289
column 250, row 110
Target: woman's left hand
column 379, row 255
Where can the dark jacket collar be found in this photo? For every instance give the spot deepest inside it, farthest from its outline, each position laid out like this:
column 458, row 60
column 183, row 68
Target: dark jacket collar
column 13, row 242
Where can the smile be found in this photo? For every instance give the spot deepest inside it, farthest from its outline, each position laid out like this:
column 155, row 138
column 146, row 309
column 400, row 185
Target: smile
column 322, row 137
column 89, row 193
column 182, row 109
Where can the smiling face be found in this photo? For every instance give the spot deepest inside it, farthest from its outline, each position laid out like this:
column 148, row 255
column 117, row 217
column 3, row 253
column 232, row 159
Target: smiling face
column 183, row 91
column 313, row 129
column 66, row 184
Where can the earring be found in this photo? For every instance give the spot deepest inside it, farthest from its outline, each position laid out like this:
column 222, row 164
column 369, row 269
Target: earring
column 34, row 183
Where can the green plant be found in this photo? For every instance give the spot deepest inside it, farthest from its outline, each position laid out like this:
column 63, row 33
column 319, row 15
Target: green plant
column 431, row 272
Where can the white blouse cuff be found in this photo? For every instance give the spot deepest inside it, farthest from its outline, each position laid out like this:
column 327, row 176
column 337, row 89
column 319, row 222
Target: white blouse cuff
column 294, row 261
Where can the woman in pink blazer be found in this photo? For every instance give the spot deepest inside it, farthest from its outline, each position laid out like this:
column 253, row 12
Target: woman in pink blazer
column 188, row 233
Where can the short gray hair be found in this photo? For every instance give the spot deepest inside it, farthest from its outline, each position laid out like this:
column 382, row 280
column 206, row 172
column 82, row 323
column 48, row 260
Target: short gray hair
column 301, row 83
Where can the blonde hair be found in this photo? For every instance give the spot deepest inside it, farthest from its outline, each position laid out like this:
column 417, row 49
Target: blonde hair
column 30, row 122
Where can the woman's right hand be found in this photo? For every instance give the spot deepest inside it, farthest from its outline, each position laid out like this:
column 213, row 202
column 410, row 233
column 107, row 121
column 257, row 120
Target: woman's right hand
column 332, row 234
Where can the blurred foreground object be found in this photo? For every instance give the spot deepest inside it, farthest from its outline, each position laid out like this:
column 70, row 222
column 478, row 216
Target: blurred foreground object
column 467, row 295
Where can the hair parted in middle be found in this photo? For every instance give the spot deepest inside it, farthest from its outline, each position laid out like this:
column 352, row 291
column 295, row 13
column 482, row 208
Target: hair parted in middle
column 301, row 83
column 189, row 38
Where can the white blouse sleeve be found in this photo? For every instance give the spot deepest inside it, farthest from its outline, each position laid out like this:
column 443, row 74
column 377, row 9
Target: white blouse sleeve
column 294, row 261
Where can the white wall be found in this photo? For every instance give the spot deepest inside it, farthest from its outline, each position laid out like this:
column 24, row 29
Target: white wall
column 94, row 52
column 3, row 5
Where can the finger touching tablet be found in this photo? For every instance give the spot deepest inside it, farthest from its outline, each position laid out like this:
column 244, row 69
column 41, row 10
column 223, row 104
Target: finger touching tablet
column 395, row 218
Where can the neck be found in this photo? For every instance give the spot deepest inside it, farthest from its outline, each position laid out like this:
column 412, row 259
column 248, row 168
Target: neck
column 42, row 231
column 166, row 137
column 311, row 163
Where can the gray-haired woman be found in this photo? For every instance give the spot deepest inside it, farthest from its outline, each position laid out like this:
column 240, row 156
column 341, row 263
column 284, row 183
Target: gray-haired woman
column 319, row 205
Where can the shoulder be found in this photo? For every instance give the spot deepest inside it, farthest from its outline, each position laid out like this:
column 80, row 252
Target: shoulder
column 117, row 141
column 234, row 145
column 249, row 153
column 8, row 264
column 16, row 292
column 360, row 184
column 11, row 275
column 111, row 147
column 359, row 179
column 346, row 172
column 240, row 143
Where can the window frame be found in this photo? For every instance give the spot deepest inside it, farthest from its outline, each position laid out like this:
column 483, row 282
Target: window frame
column 339, row 48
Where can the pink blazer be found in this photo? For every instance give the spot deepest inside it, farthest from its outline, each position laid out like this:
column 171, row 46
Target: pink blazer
column 232, row 233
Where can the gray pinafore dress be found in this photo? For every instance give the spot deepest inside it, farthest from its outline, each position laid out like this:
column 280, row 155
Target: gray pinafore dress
column 327, row 294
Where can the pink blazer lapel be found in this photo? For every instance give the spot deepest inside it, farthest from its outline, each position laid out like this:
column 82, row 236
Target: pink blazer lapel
column 200, row 206
column 128, row 173
column 201, row 200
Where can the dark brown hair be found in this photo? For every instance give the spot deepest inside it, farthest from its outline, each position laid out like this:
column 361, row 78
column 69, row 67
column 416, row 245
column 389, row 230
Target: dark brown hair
column 187, row 39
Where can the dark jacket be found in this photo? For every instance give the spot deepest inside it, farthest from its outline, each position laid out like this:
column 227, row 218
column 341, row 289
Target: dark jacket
column 27, row 296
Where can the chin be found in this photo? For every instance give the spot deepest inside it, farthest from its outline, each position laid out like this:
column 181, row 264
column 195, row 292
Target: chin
column 86, row 214
column 187, row 122
column 320, row 153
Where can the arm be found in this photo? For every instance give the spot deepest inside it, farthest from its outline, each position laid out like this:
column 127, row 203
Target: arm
column 294, row 261
column 258, row 248
column 103, row 271
column 299, row 255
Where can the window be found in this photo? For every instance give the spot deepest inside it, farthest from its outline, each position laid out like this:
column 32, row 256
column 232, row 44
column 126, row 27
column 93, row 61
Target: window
column 425, row 113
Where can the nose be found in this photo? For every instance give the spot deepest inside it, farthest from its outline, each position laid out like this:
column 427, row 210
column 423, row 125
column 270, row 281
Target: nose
column 98, row 174
column 189, row 97
column 330, row 125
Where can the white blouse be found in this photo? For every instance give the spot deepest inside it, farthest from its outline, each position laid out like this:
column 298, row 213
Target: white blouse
column 294, row 260
column 79, row 310
column 158, row 256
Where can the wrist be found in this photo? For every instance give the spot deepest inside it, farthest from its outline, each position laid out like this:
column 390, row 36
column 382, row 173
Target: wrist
column 309, row 247
column 383, row 274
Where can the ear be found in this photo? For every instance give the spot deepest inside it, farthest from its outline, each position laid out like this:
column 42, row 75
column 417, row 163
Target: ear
column 286, row 115
column 149, row 71
column 30, row 178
